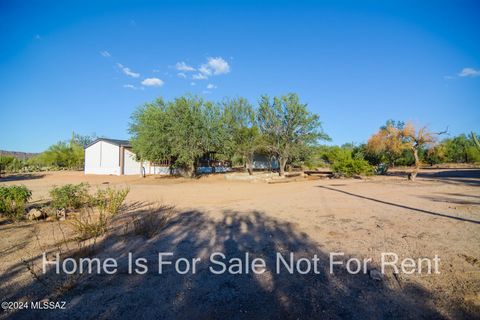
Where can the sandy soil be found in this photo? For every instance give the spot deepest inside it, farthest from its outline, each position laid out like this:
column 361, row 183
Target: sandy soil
column 439, row 214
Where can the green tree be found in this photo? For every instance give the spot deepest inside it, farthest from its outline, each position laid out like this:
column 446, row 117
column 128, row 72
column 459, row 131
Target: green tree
column 288, row 127
column 242, row 135
column 5, row 161
column 181, row 131
column 461, row 149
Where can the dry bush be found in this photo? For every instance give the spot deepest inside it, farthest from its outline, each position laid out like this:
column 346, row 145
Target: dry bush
column 94, row 222
column 110, row 200
column 88, row 225
column 149, row 222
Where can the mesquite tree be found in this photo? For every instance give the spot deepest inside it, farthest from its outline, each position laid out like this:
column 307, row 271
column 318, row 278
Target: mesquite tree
column 287, row 127
column 393, row 139
column 182, row 131
column 243, row 136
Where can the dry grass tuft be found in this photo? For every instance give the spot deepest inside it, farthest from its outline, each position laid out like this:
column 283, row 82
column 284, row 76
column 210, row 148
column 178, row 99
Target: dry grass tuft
column 149, row 222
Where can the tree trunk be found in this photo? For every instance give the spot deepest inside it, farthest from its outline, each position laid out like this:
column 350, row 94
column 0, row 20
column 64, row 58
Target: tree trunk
column 282, row 163
column 250, row 164
column 414, row 173
column 190, row 170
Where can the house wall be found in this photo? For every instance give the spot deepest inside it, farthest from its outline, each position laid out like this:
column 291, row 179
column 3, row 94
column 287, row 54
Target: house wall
column 131, row 165
column 261, row 161
column 102, row 158
column 151, row 169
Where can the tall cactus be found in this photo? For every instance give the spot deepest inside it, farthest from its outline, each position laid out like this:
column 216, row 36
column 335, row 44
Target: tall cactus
column 475, row 139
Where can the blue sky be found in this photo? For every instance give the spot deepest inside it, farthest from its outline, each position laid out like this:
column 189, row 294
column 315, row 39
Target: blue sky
column 86, row 66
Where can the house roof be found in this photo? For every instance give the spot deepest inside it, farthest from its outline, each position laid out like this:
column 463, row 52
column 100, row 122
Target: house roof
column 117, row 142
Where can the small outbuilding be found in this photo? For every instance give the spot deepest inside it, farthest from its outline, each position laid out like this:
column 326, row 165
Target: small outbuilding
column 111, row 156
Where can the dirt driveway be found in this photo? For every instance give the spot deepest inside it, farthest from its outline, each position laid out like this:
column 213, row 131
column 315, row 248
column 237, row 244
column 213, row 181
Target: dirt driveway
column 437, row 215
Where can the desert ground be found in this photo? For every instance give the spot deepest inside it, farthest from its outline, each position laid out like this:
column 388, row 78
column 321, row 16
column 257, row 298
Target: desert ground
column 439, row 214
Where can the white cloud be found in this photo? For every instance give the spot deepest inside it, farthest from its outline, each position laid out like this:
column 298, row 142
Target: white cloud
column 182, row 75
column 469, row 72
column 206, row 92
column 152, row 82
column 205, row 70
column 105, row 54
column 211, row 86
column 127, row 71
column 182, row 66
column 193, row 83
column 199, row 76
column 131, row 86
column 215, row 66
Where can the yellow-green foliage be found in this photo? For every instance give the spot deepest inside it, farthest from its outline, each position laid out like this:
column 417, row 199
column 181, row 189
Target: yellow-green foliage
column 110, row 200
column 345, row 162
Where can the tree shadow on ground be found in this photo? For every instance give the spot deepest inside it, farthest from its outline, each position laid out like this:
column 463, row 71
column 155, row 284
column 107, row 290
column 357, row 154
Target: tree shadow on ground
column 443, row 215
column 205, row 295
column 453, row 176
column 461, row 199
column 21, row 177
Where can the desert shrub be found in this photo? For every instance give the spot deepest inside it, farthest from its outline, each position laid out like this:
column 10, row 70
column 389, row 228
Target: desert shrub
column 70, row 196
column 110, row 200
column 13, row 200
column 88, row 225
column 345, row 162
column 352, row 166
column 95, row 219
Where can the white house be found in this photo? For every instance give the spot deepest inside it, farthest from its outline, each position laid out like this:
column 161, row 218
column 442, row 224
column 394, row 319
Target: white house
column 115, row 157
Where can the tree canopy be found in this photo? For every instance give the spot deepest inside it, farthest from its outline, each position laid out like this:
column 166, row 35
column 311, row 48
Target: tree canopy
column 185, row 129
column 288, row 127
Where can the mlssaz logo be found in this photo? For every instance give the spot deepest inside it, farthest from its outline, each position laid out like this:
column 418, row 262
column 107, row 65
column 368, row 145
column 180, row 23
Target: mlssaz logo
column 48, row 305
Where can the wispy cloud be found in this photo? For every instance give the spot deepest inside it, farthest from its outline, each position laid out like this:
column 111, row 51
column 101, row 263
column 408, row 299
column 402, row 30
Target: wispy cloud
column 128, row 71
column 131, row 86
column 199, row 76
column 182, row 66
column 193, row 83
column 211, row 86
column 214, row 66
column 153, row 82
column 105, row 54
column 469, row 72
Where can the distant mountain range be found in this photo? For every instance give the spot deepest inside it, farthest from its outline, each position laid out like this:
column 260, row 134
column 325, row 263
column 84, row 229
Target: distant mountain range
column 18, row 154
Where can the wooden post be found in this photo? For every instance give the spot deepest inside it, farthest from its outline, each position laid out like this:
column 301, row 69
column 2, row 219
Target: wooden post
column 122, row 160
